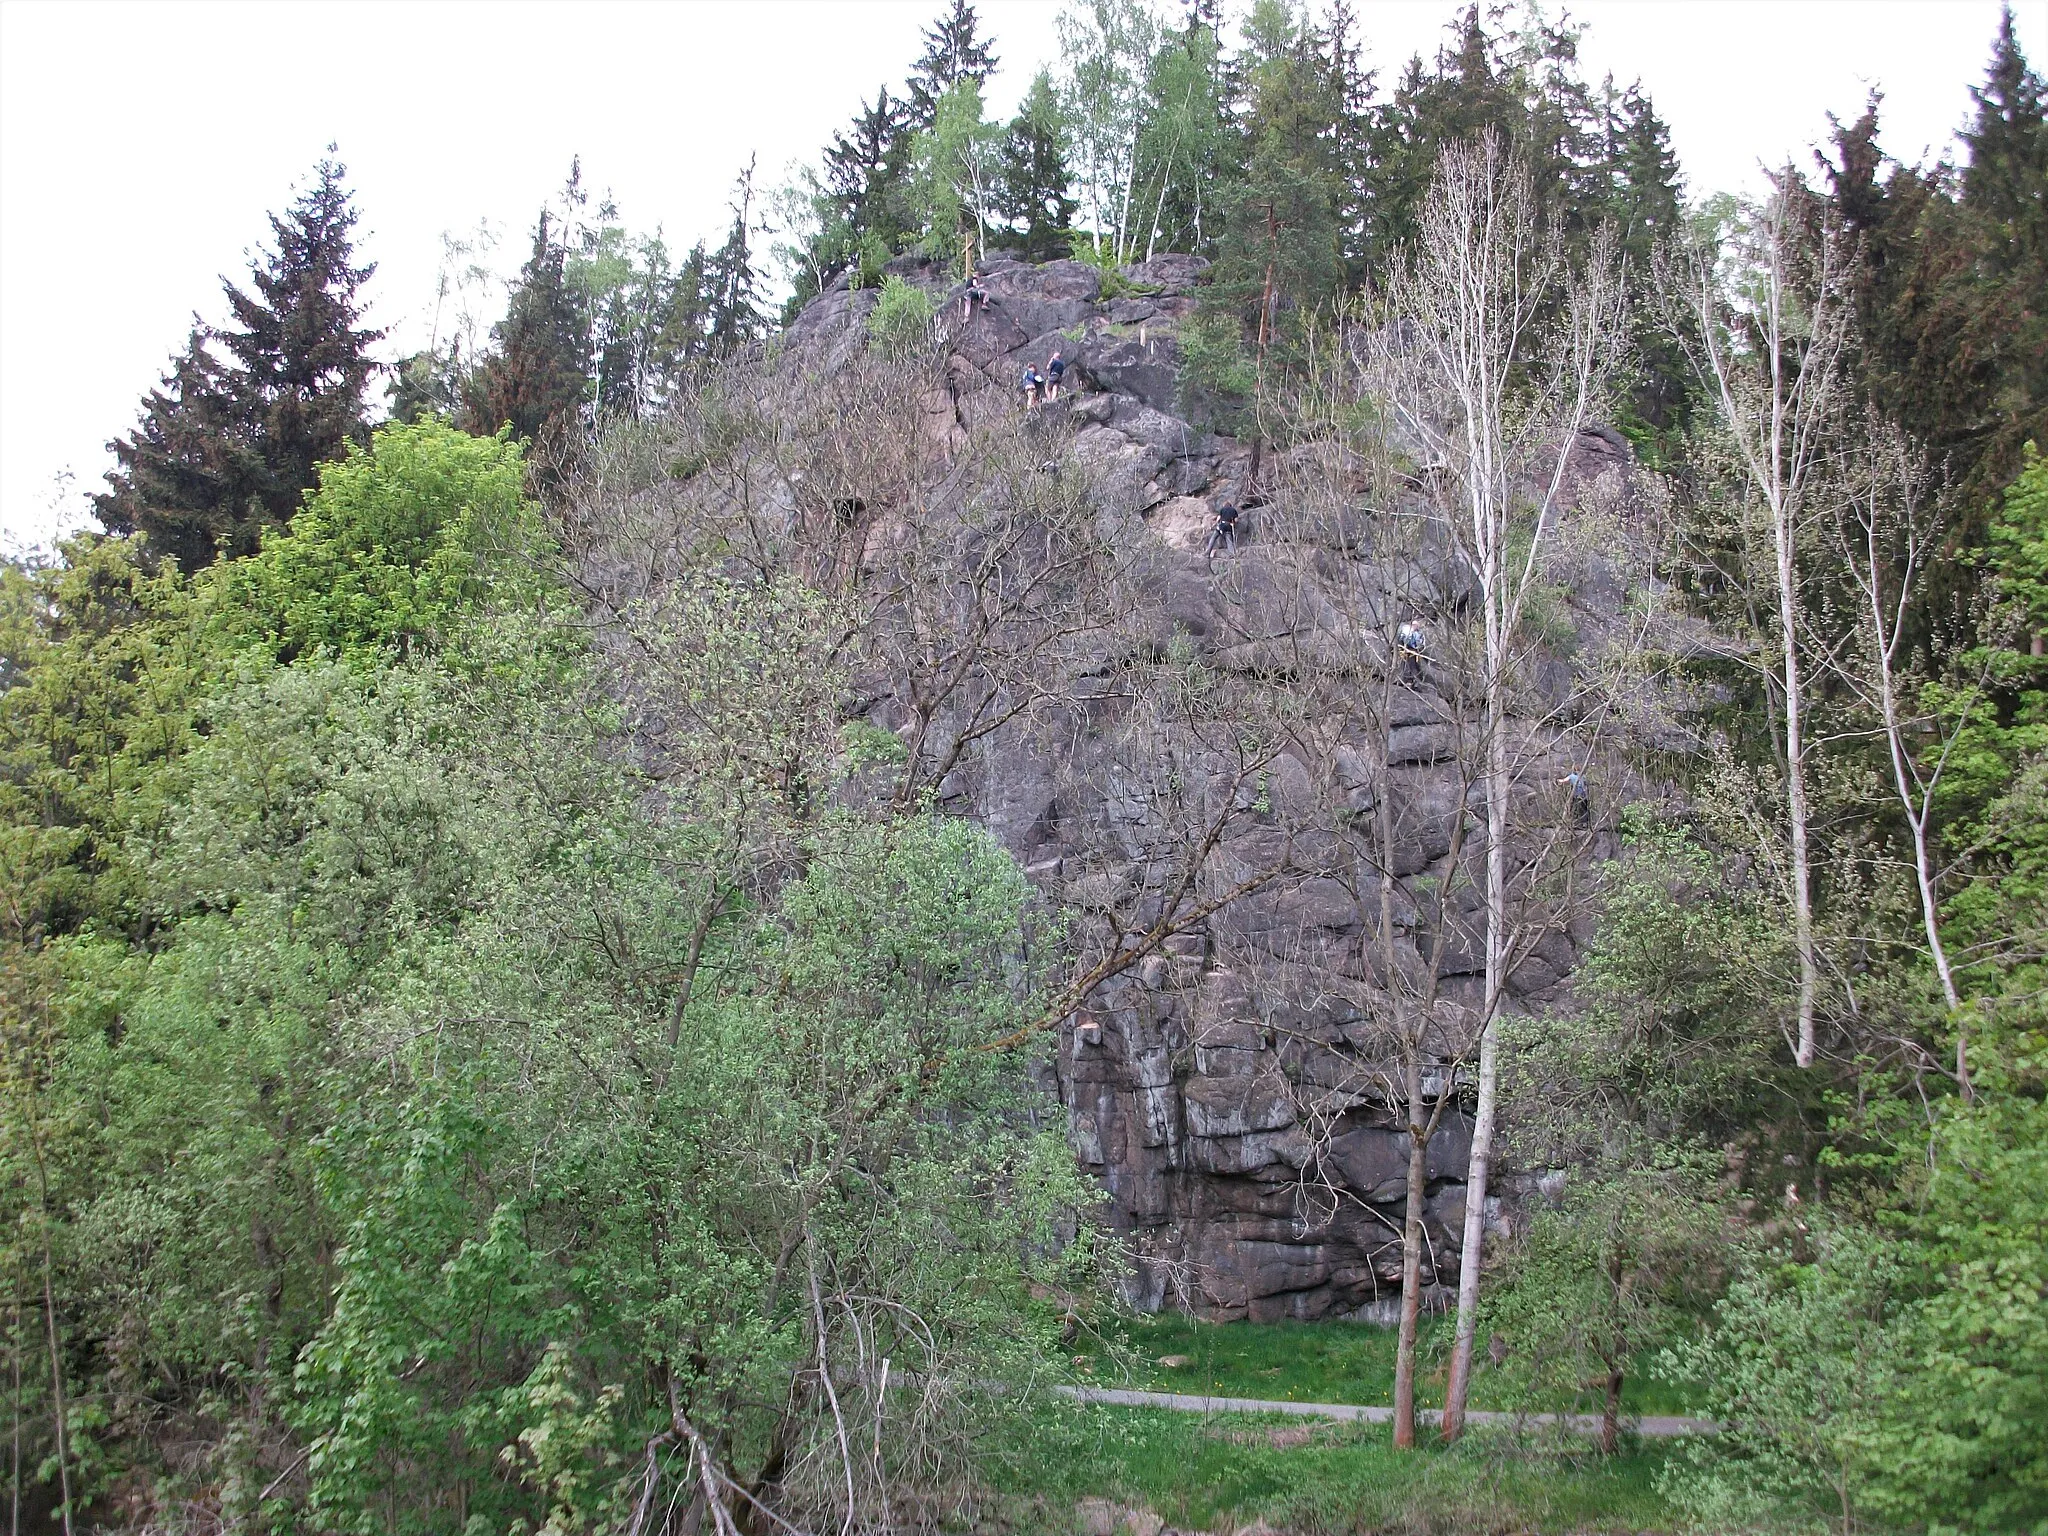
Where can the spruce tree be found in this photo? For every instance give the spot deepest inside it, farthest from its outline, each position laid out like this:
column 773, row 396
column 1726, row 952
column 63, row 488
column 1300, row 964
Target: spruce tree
column 229, row 446
column 1469, row 90
column 1034, row 185
column 302, row 359
column 1646, row 210
column 954, row 51
column 188, row 478
column 867, row 172
column 732, row 310
column 536, row 380
column 2006, row 183
column 1281, row 252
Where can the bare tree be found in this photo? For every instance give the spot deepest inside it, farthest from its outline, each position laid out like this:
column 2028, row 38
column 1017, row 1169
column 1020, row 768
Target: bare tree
column 1766, row 337
column 1493, row 358
column 1887, row 528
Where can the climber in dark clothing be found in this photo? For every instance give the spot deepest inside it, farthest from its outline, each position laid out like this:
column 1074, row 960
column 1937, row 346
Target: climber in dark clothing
column 1582, row 800
column 1055, row 371
column 1225, row 531
column 975, row 294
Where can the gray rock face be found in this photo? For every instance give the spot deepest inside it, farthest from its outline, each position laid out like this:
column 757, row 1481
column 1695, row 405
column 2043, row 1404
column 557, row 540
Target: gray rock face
column 1232, row 1090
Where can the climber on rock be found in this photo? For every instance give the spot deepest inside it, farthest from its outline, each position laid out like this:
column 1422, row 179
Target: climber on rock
column 1582, row 800
column 973, row 295
column 1055, row 371
column 1225, row 531
column 1412, row 643
column 1030, row 384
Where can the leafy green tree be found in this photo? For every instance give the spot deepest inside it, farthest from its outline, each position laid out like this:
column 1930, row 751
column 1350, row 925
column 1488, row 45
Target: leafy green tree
column 901, row 321
column 1186, row 144
column 1106, row 49
column 1799, row 1359
column 955, row 182
column 401, row 540
column 1032, row 187
column 1617, row 1269
column 106, row 663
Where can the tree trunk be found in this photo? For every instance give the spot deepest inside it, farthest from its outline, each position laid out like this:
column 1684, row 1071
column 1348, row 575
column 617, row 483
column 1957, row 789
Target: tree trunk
column 1472, row 1245
column 1411, row 1259
column 1610, row 1417
column 1795, row 785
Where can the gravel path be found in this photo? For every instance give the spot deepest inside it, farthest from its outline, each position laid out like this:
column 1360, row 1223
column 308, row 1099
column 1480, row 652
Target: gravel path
column 1654, row 1425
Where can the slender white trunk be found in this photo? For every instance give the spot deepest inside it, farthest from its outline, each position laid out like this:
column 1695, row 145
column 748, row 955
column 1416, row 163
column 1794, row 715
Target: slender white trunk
column 1471, row 1248
column 1795, row 787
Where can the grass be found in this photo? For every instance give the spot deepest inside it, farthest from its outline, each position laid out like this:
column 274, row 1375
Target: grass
column 1216, row 1473
column 1306, row 1363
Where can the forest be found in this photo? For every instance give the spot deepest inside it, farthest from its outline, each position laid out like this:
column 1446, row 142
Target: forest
column 677, row 913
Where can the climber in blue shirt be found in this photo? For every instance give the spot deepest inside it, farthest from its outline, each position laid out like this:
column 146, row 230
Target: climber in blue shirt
column 1582, row 799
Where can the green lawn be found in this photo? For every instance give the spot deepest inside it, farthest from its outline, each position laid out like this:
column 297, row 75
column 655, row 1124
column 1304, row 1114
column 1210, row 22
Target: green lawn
column 1300, row 1362
column 1212, row 1473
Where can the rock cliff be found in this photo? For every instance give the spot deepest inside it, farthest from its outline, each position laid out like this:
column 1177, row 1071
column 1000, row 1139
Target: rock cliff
column 1254, row 805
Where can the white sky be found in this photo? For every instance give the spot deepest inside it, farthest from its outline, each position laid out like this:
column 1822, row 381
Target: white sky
column 141, row 144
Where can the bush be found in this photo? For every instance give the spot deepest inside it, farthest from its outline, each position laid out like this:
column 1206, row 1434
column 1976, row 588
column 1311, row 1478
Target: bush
column 902, row 320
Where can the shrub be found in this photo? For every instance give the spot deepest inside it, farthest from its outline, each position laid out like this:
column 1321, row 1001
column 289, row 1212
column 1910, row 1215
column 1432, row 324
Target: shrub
column 902, row 319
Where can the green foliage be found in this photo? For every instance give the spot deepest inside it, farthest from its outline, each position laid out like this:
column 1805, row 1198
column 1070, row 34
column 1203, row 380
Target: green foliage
column 955, row 172
column 427, row 526
column 901, row 323
column 1032, row 194
column 1216, row 367
column 1794, row 1368
column 1225, row 1471
column 1616, row 1269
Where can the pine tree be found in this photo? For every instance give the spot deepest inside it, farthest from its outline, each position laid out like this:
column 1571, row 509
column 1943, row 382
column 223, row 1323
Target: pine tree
column 1034, row 184
column 235, row 444
column 536, row 380
column 1645, row 209
column 2006, row 183
column 732, row 312
column 867, row 172
column 1281, row 252
column 953, row 51
column 188, row 478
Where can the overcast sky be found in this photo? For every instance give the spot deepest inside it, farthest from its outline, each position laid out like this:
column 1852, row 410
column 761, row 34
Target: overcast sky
column 141, row 144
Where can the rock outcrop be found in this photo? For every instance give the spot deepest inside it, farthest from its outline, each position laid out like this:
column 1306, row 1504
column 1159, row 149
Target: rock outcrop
column 1231, row 1088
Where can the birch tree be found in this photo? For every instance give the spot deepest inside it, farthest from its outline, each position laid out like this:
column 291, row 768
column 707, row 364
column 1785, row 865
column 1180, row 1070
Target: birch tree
column 1106, row 49
column 1494, row 356
column 1887, row 531
column 1765, row 335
